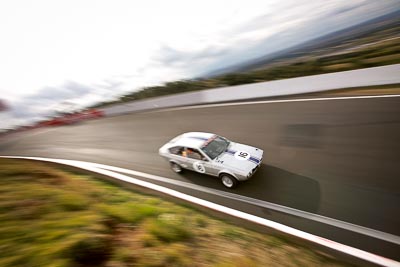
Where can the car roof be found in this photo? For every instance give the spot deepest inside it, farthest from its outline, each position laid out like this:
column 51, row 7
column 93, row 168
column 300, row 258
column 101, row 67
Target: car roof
column 192, row 139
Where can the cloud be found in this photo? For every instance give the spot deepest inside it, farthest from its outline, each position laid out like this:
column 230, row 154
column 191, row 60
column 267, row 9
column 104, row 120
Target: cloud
column 105, row 58
column 345, row 9
column 69, row 90
column 275, row 31
column 171, row 57
column 52, row 99
column 281, row 26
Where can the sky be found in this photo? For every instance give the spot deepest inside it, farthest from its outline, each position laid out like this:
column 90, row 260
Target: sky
column 58, row 54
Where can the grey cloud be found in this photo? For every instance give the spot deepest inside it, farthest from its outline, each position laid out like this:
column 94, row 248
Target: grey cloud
column 341, row 10
column 110, row 84
column 69, row 90
column 301, row 22
column 245, row 49
column 43, row 102
column 170, row 56
column 286, row 11
column 319, row 18
column 322, row 21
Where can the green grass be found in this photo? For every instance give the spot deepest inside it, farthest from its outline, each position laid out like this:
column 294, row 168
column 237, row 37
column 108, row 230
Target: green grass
column 170, row 228
column 50, row 217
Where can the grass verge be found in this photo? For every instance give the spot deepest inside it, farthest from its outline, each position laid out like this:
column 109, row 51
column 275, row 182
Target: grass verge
column 51, row 217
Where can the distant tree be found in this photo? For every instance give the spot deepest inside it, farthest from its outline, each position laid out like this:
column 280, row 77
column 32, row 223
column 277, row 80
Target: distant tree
column 238, row 78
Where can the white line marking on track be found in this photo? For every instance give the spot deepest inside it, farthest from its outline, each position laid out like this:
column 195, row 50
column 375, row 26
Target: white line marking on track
column 271, row 224
column 275, row 101
column 299, row 213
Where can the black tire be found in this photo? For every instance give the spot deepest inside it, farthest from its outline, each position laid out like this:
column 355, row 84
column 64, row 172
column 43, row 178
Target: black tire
column 175, row 167
column 228, row 180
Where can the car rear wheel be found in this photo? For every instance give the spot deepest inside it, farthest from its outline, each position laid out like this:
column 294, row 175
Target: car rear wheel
column 175, row 167
column 228, row 180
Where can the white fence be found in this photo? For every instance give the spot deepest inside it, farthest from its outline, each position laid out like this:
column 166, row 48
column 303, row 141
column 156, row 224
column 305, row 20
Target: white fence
column 355, row 78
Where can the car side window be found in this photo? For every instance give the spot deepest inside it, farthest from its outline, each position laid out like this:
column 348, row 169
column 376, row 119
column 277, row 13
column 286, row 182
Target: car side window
column 176, row 150
column 193, row 154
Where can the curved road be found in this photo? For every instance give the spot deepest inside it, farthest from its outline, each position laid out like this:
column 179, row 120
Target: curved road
column 337, row 158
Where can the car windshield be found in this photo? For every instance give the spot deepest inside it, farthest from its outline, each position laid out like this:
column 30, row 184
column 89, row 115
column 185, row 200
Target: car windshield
column 217, row 146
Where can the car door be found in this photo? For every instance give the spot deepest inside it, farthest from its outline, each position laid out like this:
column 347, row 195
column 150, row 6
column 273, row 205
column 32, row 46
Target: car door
column 176, row 156
column 202, row 164
column 196, row 161
column 211, row 168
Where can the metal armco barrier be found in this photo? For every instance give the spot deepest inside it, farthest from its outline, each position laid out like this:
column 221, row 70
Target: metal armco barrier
column 316, row 83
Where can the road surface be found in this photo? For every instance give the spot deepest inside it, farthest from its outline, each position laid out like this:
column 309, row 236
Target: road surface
column 338, row 158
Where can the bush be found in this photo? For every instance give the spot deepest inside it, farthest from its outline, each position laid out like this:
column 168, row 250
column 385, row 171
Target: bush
column 91, row 251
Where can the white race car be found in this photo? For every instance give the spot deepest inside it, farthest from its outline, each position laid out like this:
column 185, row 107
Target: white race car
column 213, row 155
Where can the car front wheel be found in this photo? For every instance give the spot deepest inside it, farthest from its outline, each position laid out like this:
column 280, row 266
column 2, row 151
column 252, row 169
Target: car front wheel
column 228, row 180
column 175, row 167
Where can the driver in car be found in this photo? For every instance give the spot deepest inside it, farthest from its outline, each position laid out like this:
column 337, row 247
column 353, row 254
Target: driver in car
column 191, row 154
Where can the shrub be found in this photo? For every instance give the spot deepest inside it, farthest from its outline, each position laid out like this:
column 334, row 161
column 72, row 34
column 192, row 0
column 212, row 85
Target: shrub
column 92, row 251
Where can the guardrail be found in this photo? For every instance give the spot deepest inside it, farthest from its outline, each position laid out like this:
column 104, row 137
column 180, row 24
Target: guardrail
column 316, row 83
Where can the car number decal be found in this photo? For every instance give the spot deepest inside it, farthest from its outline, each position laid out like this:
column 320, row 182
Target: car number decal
column 242, row 155
column 199, row 167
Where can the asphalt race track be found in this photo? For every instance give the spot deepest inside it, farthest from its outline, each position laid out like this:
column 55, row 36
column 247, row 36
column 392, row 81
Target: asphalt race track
column 336, row 158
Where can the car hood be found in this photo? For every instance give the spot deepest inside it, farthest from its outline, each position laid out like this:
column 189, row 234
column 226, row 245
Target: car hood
column 240, row 157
